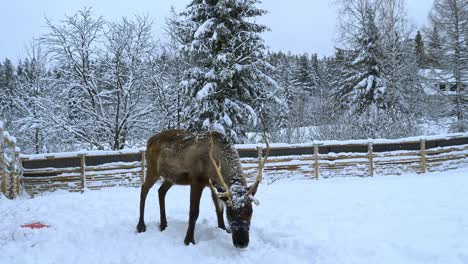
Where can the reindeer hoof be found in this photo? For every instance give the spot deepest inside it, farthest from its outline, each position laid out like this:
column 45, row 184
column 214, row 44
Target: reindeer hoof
column 141, row 227
column 187, row 241
column 162, row 226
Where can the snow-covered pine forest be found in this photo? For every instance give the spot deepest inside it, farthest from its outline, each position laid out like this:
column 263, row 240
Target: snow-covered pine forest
column 93, row 83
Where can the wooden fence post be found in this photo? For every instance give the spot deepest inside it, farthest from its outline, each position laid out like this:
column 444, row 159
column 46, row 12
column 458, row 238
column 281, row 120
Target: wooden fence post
column 11, row 191
column 19, row 173
column 14, row 171
column 143, row 161
column 83, row 171
column 259, row 156
column 2, row 161
column 370, row 153
column 316, row 158
column 423, row 155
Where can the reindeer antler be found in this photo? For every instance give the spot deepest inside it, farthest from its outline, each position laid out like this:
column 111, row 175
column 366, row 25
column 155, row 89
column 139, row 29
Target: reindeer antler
column 254, row 186
column 220, row 180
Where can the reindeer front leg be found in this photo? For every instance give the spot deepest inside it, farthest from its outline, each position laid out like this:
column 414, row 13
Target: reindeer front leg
column 196, row 191
column 162, row 203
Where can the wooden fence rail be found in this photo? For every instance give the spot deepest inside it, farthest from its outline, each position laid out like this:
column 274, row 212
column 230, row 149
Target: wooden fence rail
column 10, row 165
column 95, row 170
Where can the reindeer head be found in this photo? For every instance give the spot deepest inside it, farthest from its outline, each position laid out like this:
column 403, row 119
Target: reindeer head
column 238, row 198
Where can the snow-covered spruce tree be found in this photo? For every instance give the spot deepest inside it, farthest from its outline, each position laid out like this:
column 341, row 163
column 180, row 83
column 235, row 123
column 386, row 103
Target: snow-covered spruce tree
column 283, row 73
column 286, row 114
column 421, row 55
column 328, row 73
column 317, row 69
column 342, row 80
column 305, row 86
column 370, row 83
column 451, row 18
column 333, row 75
column 378, row 70
column 304, row 76
column 225, row 84
column 7, row 93
column 434, row 47
column 321, row 105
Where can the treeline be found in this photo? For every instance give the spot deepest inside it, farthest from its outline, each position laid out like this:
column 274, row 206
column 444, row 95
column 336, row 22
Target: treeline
column 376, row 84
column 94, row 84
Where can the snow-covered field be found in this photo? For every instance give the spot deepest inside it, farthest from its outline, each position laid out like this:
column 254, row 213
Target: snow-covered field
column 405, row 219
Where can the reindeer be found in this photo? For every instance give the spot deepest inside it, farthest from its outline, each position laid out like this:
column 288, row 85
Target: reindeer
column 203, row 160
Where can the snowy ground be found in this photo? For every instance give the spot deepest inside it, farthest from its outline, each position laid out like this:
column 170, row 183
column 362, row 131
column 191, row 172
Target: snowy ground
column 406, row 219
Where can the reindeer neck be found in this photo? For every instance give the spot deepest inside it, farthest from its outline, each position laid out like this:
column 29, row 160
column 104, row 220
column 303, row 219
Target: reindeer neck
column 231, row 168
column 234, row 178
column 238, row 187
column 238, row 192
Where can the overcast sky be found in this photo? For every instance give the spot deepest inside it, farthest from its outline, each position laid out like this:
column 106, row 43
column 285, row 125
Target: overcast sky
column 298, row 26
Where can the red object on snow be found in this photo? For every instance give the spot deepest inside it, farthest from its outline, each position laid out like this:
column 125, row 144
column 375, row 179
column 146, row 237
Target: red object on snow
column 35, row 225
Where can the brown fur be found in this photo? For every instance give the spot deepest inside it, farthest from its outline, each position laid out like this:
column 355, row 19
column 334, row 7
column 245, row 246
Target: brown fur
column 182, row 158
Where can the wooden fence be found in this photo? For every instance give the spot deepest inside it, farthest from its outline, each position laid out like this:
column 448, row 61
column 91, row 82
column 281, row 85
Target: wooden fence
column 95, row 170
column 10, row 165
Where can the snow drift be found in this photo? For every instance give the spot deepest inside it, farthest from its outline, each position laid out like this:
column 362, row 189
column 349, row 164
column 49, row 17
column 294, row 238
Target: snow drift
column 406, row 219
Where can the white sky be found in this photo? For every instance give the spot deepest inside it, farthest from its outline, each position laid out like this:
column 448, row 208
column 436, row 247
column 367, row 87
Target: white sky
column 298, row 26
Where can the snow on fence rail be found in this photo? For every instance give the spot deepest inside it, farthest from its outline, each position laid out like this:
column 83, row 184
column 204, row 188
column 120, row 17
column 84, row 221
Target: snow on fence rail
column 78, row 171
column 10, row 165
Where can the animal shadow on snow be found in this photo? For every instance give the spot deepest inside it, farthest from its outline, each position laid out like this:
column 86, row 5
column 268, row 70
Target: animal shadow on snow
column 206, row 232
column 217, row 243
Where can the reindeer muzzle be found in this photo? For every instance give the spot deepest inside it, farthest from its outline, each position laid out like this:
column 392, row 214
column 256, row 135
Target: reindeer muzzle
column 240, row 234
